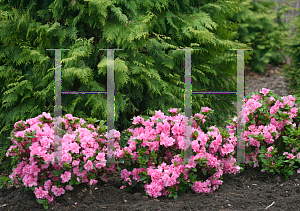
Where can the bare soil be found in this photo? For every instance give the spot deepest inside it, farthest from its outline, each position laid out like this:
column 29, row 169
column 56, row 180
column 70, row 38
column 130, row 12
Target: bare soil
column 250, row 189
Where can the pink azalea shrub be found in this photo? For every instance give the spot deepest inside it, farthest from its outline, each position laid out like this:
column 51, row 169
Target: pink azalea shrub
column 82, row 153
column 272, row 132
column 155, row 155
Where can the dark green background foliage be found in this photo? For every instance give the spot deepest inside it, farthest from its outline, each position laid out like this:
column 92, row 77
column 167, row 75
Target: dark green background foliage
column 149, row 72
column 292, row 48
column 261, row 27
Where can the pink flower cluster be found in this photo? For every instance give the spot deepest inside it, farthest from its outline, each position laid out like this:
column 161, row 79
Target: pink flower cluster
column 37, row 161
column 270, row 132
column 83, row 151
column 169, row 134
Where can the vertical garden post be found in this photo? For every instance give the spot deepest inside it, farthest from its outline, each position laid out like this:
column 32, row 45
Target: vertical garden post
column 110, row 104
column 57, row 106
column 188, row 102
column 240, row 102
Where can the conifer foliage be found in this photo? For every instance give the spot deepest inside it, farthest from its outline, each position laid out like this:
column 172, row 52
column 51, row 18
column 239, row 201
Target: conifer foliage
column 261, row 27
column 292, row 48
column 149, row 72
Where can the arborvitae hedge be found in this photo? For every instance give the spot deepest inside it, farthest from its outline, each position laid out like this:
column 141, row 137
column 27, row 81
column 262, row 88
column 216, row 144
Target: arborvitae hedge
column 149, row 72
column 261, row 27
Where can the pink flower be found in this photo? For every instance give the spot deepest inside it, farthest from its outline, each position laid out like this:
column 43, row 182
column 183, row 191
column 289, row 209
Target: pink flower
column 110, row 153
column 29, row 181
column 264, row 91
column 155, row 174
column 57, row 191
column 92, row 182
column 89, row 166
column 166, row 141
column 67, row 157
column 154, row 189
column 48, row 157
column 47, row 185
column 40, row 193
column 254, row 142
column 45, row 142
column 199, row 187
column 101, row 157
column 205, row 109
column 89, row 152
column 213, row 162
column 75, row 163
column 69, row 187
column 191, row 164
column 55, row 178
column 44, row 166
column 125, row 173
column 74, row 147
column 270, row 148
column 104, row 178
column 65, row 177
column 291, row 156
column 173, row 110
column 268, row 155
column 136, row 120
column 227, row 148
column 120, row 153
column 100, row 164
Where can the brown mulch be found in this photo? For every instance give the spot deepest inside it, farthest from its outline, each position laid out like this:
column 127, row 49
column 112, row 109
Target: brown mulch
column 249, row 190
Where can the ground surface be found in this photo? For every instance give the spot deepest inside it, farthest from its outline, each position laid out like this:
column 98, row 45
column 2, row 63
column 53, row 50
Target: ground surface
column 248, row 190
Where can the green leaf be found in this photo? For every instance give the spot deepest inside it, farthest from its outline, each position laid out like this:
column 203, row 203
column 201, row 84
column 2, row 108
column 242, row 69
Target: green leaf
column 264, row 148
column 55, row 173
column 264, row 161
column 142, row 178
column 80, row 168
column 40, row 201
column 285, row 137
column 261, row 47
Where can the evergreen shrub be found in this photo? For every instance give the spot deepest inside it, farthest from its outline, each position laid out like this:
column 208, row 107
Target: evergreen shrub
column 149, row 72
column 261, row 27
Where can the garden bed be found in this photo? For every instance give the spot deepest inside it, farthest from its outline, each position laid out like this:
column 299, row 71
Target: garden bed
column 248, row 190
